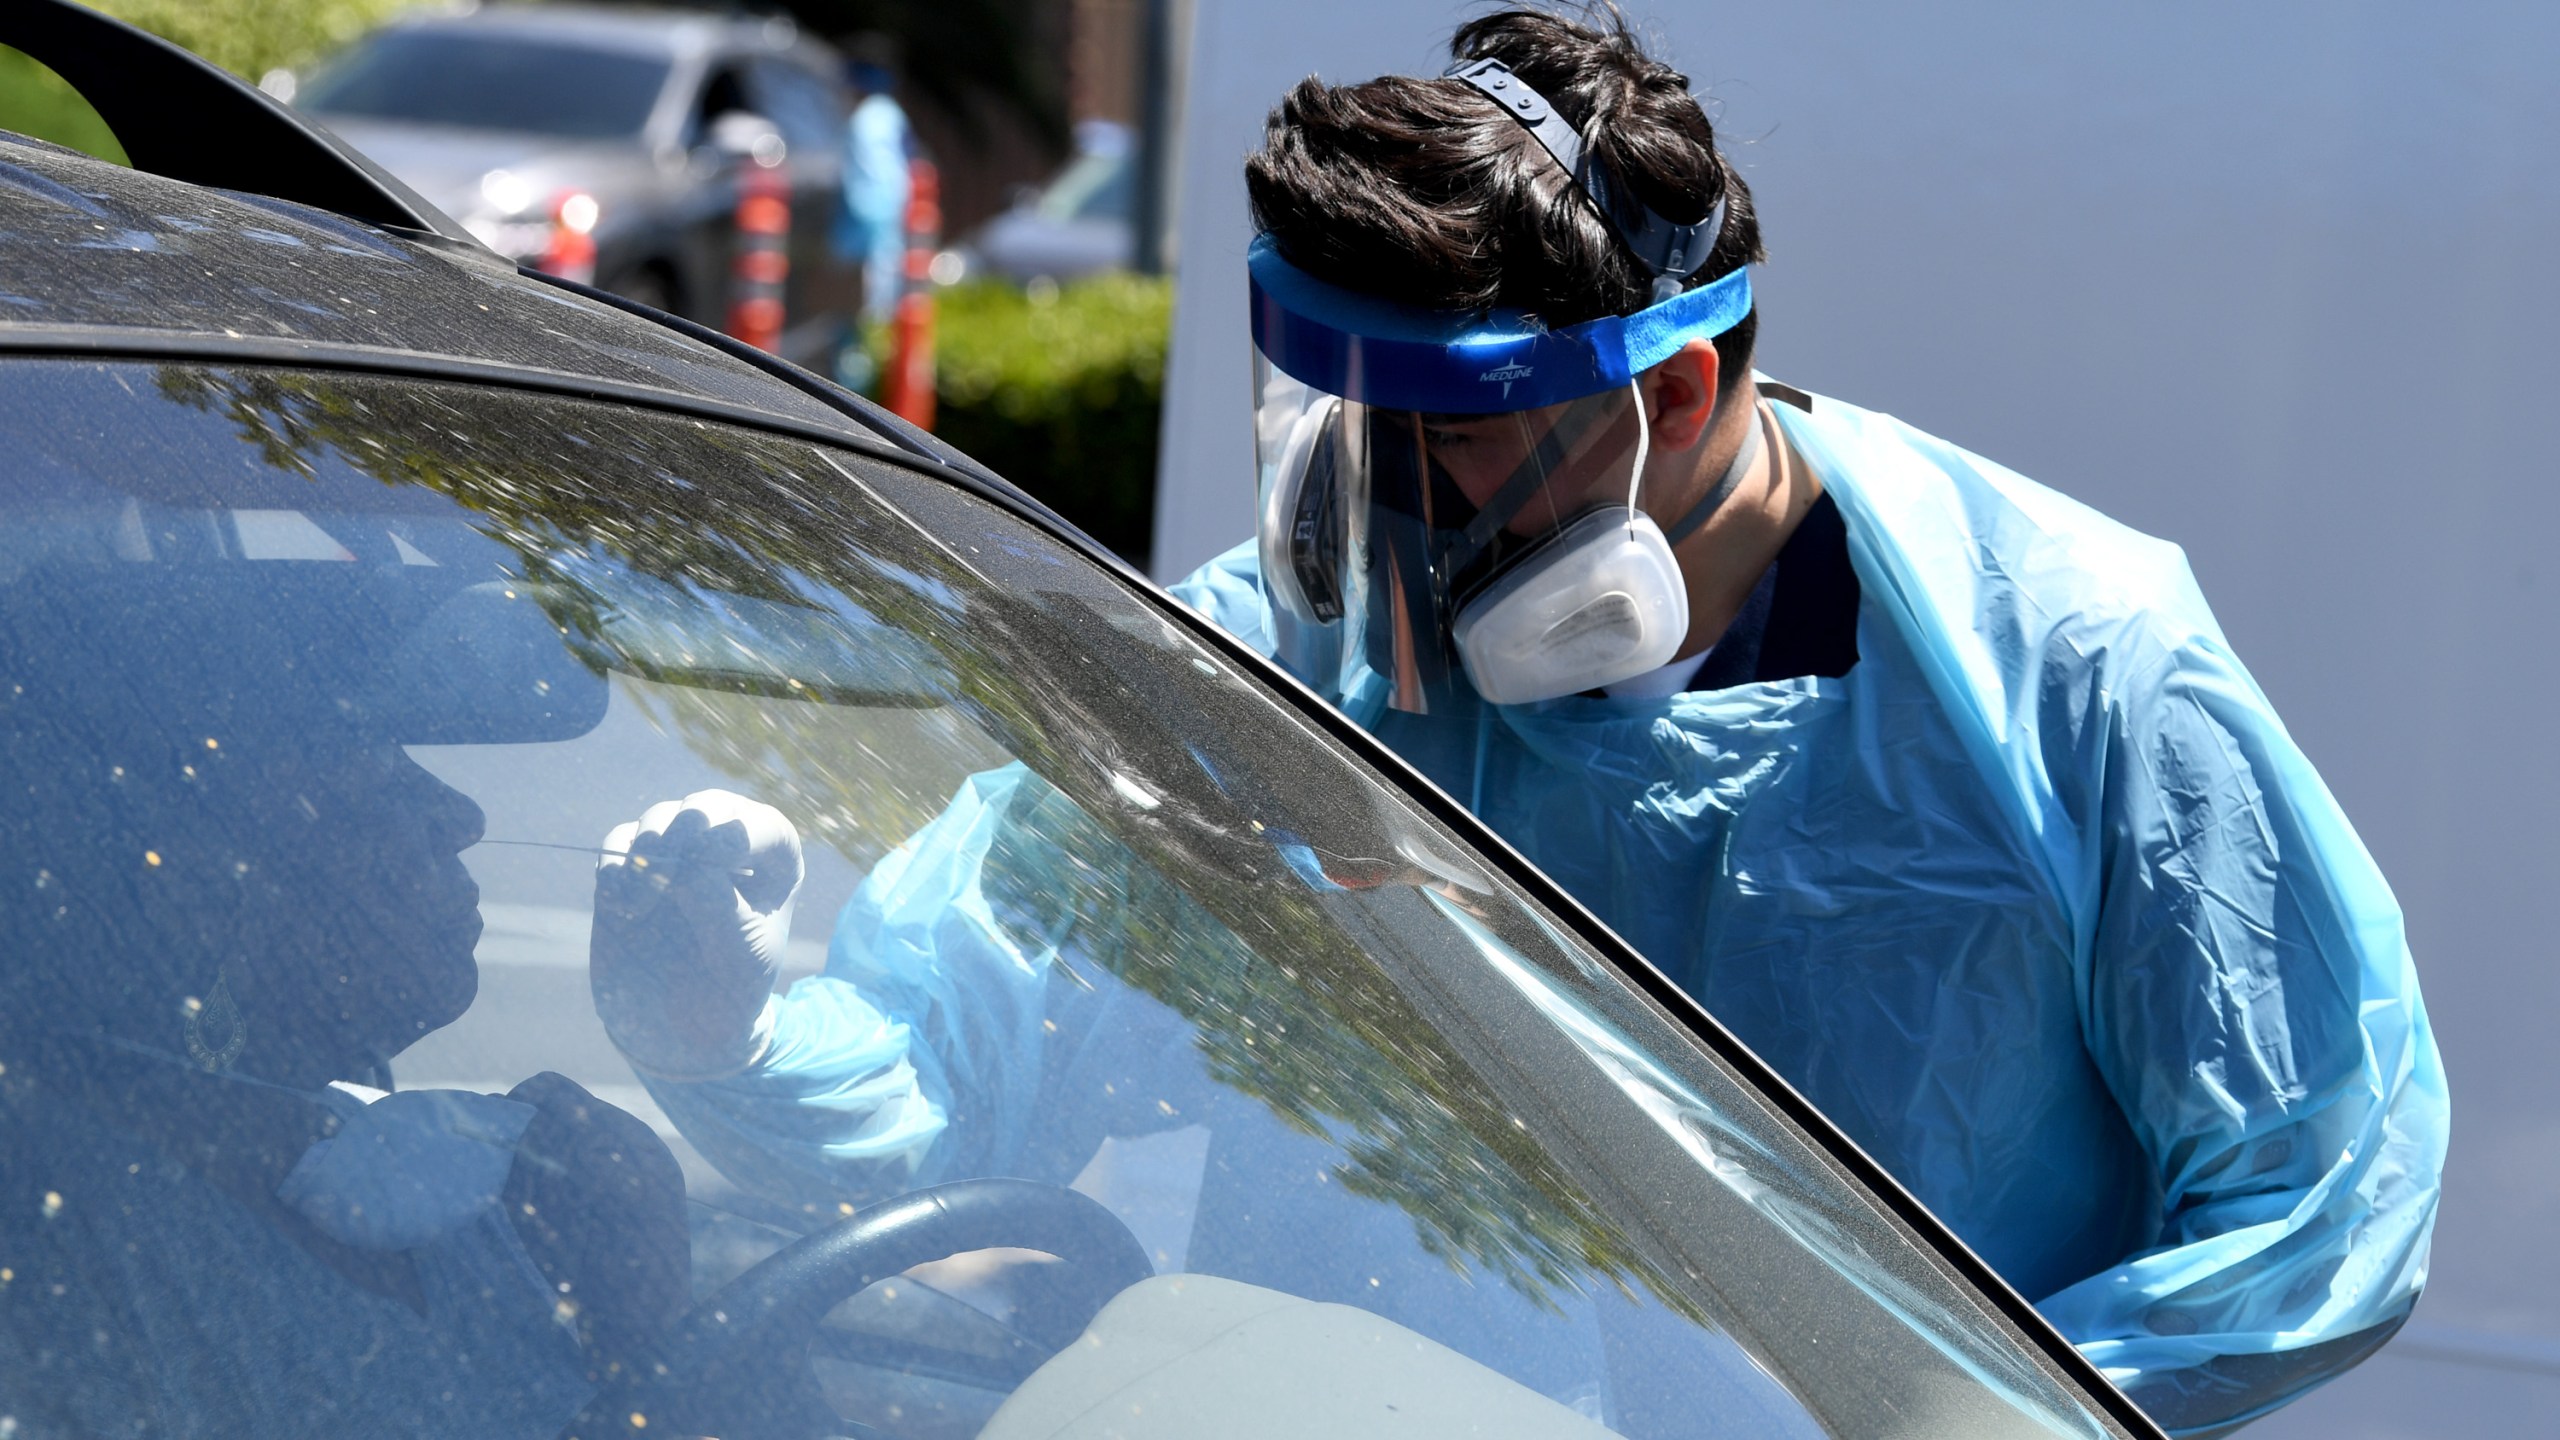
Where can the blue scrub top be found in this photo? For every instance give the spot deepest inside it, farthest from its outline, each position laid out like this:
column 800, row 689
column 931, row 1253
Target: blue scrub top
column 2038, row 901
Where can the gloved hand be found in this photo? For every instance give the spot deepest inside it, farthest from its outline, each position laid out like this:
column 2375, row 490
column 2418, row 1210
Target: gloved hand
column 693, row 903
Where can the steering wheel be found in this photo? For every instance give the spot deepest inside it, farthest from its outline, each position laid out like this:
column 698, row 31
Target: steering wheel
column 737, row 1365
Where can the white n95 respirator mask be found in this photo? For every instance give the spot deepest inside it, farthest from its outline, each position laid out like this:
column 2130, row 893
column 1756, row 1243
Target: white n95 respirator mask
column 1599, row 602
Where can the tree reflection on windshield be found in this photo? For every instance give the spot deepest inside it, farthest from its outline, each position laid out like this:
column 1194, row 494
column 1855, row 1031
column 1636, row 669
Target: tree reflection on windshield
column 1163, row 827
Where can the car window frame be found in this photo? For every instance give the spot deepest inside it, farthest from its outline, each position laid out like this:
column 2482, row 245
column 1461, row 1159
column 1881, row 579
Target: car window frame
column 1925, row 1230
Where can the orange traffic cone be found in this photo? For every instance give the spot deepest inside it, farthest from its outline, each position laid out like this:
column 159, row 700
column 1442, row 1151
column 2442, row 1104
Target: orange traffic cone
column 907, row 390
column 763, row 256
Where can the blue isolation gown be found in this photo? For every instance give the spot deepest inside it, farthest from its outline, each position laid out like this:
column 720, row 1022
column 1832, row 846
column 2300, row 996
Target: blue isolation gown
column 2039, row 902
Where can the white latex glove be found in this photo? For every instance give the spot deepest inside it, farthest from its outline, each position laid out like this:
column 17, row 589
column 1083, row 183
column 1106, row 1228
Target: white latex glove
column 693, row 903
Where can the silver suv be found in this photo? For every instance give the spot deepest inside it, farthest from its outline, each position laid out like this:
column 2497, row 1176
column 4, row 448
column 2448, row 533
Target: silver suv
column 548, row 128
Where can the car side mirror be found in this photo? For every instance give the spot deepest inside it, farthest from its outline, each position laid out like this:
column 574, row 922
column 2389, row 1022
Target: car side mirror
column 744, row 135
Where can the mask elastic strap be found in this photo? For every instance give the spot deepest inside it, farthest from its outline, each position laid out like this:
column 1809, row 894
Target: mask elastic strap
column 1671, row 252
column 1687, row 525
column 1644, row 448
column 1533, row 473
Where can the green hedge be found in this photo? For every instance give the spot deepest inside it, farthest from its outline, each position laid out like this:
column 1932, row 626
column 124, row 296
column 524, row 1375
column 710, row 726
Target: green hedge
column 1059, row 390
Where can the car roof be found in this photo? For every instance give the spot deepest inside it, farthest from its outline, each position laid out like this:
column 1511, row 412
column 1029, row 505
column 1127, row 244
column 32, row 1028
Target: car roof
column 94, row 256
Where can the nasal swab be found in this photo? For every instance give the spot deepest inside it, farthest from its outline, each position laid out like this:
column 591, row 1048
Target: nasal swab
column 636, row 859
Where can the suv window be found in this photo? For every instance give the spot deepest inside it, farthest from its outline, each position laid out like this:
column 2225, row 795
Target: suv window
column 801, row 103
column 724, row 89
column 382, row 1040
column 1099, row 186
column 490, row 82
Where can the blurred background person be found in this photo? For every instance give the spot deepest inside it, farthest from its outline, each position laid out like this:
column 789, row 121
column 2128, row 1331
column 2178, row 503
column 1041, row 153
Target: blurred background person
column 871, row 226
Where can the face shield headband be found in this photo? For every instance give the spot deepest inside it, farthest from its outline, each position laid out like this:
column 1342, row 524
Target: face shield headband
column 1391, row 356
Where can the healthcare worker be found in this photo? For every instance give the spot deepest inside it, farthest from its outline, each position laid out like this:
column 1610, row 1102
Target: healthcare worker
column 870, row 229
column 1943, row 791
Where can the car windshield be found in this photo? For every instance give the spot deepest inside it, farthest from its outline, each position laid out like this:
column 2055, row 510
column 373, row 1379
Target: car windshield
column 522, row 909
column 490, row 82
column 1098, row 186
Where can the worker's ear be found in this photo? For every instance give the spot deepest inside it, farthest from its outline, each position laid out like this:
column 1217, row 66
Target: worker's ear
column 1680, row 394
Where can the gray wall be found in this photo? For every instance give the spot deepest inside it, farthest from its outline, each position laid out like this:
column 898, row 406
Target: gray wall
column 2272, row 280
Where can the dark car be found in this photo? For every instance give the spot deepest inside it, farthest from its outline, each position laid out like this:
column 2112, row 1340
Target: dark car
column 429, row 691
column 606, row 143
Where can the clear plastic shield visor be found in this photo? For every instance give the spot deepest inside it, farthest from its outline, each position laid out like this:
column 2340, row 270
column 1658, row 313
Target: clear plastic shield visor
column 1379, row 528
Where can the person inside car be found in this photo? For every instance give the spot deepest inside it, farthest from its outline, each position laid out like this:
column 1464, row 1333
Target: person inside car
column 228, row 911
